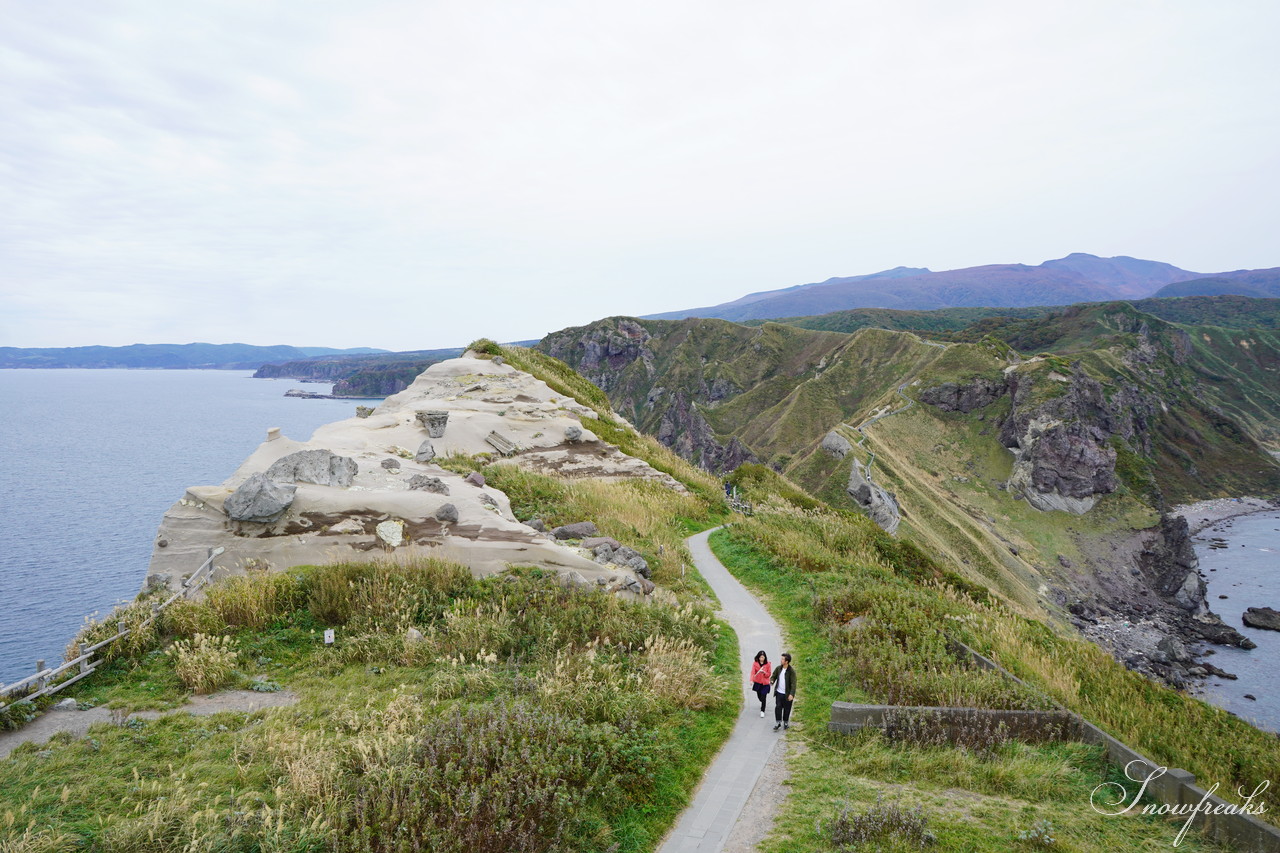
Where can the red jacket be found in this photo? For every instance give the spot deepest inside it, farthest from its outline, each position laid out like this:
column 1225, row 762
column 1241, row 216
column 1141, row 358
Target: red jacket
column 760, row 674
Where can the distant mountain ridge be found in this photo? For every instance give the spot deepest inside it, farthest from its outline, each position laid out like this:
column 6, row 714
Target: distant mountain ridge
column 166, row 356
column 1078, row 277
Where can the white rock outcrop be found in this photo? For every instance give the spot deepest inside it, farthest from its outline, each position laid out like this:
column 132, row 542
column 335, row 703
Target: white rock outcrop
column 359, row 517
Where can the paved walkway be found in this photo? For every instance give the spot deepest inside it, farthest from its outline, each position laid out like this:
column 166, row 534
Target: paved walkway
column 718, row 802
column 77, row 723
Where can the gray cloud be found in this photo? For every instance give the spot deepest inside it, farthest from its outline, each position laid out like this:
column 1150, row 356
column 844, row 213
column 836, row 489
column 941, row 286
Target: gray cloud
column 412, row 175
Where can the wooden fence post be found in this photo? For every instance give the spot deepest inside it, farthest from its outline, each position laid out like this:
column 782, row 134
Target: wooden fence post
column 39, row 681
column 84, row 663
column 120, row 627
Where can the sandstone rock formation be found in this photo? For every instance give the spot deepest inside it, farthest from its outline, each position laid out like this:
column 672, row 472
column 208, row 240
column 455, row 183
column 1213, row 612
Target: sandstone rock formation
column 331, row 498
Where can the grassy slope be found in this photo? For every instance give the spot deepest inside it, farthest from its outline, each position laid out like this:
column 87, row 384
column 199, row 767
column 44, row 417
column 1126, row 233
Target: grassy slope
column 819, row 569
column 598, row 689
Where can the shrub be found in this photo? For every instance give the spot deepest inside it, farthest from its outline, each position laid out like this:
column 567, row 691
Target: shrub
column 484, row 346
column 138, row 621
column 495, row 778
column 383, row 596
column 186, row 618
column 254, row 601
column 882, row 822
column 204, row 663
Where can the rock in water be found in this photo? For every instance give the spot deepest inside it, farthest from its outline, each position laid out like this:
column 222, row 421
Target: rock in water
column 1262, row 617
column 836, row 444
column 321, row 467
column 426, row 452
column 875, row 501
column 259, row 499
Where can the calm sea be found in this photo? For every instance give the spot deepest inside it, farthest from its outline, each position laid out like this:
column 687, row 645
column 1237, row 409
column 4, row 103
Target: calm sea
column 89, row 462
column 1247, row 571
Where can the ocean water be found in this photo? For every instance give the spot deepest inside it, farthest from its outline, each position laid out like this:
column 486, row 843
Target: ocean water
column 1247, row 571
column 89, row 462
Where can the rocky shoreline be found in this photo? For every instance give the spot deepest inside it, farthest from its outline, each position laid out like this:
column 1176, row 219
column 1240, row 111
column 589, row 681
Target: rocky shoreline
column 1148, row 606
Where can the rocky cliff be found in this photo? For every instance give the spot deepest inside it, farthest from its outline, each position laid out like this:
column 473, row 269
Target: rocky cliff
column 372, row 484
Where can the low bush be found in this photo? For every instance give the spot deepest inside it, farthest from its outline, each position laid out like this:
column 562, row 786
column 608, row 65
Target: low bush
column 204, row 663
column 883, row 822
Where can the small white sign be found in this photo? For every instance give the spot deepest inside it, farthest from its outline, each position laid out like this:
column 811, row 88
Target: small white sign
column 328, row 636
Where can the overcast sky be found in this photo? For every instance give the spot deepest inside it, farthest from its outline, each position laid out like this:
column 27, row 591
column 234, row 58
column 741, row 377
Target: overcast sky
column 414, row 175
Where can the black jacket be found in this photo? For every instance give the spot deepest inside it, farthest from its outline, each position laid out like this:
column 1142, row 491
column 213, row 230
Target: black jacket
column 789, row 689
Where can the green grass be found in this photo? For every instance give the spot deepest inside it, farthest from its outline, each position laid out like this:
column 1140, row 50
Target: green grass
column 294, row 778
column 977, row 800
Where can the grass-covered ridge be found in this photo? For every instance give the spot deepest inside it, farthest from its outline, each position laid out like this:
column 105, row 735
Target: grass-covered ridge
column 819, row 569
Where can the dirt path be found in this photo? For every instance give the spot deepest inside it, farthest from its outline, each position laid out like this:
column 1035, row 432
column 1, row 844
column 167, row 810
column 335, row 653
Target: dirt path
column 77, row 723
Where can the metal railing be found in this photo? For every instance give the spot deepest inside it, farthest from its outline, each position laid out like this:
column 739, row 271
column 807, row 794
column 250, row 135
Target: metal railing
column 44, row 682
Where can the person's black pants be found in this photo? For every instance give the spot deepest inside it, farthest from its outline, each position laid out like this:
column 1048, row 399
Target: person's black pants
column 764, row 697
column 782, row 708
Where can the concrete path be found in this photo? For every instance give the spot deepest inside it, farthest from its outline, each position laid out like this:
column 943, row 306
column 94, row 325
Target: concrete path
column 77, row 723
column 705, row 825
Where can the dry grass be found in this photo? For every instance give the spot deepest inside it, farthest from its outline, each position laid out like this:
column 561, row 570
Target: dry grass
column 204, row 663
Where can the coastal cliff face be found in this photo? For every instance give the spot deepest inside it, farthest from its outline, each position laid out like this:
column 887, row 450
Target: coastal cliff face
column 1041, row 468
column 372, row 484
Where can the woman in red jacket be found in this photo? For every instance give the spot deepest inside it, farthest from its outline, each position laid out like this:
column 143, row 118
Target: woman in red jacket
column 761, row 669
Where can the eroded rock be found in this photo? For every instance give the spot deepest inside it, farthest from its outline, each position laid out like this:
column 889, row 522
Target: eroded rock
column 259, row 499
column 321, row 467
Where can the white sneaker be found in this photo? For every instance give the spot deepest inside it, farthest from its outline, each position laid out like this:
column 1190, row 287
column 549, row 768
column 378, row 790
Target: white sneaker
column 762, row 715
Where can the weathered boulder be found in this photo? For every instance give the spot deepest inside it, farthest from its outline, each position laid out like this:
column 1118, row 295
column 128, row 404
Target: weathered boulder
column 631, row 559
column 348, row 527
column 1262, row 617
column 593, row 542
column 475, row 478
column 259, row 499
column 423, row 483
column 836, row 444
column 364, row 411
column 434, row 421
column 426, row 452
column 537, row 524
column 321, row 467
column 447, row 513
column 391, row 532
column 577, row 530
column 489, row 502
column 878, row 504
column 573, row 433
column 391, row 464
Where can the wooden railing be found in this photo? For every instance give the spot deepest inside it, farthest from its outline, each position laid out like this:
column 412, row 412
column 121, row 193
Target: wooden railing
column 45, row 681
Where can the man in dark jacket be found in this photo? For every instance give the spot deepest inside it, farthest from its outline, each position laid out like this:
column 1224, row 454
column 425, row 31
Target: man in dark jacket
column 784, row 692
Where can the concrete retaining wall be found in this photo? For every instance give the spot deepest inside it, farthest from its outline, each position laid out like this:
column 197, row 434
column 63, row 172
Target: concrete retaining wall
column 1167, row 786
